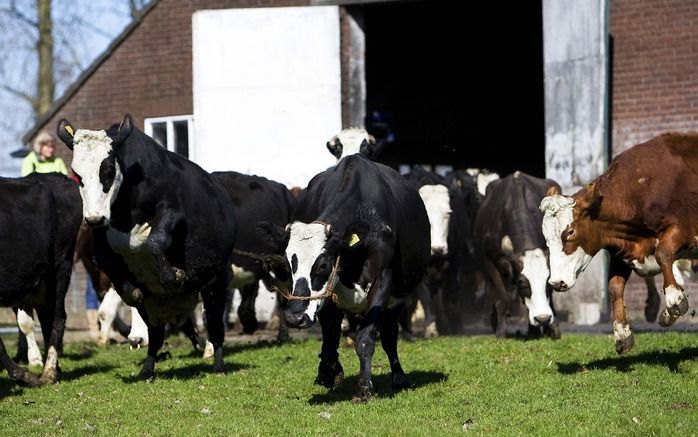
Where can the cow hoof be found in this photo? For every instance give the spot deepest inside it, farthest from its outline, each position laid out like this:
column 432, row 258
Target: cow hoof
column 147, row 375
column 50, row 374
column 400, row 382
column 406, row 335
column 218, row 365
column 330, row 375
column 218, row 368
column 364, row 395
column 666, row 318
column 22, row 375
column 623, row 336
column 102, row 341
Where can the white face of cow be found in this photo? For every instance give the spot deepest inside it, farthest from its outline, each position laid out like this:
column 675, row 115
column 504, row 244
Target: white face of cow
column 438, row 205
column 535, row 269
column 305, row 245
column 349, row 142
column 95, row 164
column 564, row 268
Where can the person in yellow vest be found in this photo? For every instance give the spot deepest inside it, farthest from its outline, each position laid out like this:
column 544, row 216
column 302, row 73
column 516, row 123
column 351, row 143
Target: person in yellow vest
column 43, row 158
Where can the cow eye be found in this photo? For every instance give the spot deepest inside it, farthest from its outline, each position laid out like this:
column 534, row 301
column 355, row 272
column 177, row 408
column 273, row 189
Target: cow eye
column 570, row 233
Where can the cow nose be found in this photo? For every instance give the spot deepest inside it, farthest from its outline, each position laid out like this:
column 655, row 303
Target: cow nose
column 558, row 285
column 543, row 319
column 439, row 250
column 296, row 320
column 95, row 221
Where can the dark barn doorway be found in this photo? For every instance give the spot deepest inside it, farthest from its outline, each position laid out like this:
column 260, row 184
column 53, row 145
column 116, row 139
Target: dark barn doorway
column 457, row 84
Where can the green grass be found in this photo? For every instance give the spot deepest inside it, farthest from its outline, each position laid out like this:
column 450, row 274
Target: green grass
column 577, row 385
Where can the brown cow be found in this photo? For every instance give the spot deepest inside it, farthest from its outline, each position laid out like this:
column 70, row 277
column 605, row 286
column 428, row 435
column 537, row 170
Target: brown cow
column 643, row 210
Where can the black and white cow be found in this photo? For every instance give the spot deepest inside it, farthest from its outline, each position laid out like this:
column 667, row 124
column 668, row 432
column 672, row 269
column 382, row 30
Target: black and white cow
column 164, row 229
column 366, row 218
column 36, row 259
column 256, row 199
column 513, row 248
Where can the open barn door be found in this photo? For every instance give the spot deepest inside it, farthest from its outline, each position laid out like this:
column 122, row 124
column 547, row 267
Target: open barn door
column 267, row 90
column 577, row 124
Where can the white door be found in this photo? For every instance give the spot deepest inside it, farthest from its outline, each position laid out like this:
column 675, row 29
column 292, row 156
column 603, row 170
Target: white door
column 267, row 90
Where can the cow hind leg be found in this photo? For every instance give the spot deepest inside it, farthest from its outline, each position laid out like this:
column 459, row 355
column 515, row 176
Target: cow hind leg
column 214, row 304
column 52, row 327
column 25, row 321
column 106, row 315
column 652, row 302
column 246, row 310
column 389, row 336
column 16, row 372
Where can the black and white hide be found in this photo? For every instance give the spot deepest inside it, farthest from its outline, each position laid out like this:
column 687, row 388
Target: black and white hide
column 164, row 230
column 515, row 255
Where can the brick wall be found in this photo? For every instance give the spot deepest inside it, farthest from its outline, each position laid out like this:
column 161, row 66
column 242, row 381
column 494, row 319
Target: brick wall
column 655, row 86
column 150, row 73
column 655, row 77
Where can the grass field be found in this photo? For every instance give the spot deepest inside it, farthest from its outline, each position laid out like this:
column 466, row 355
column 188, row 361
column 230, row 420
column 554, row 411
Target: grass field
column 577, row 385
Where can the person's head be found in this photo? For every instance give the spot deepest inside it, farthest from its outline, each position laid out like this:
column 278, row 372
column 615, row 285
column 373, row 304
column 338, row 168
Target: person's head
column 45, row 145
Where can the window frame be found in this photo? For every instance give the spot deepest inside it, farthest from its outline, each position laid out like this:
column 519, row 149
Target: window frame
column 169, row 127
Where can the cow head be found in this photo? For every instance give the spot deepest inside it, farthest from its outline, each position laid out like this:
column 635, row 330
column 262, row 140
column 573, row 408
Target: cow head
column 532, row 285
column 96, row 167
column 311, row 267
column 566, row 226
column 438, row 204
column 352, row 141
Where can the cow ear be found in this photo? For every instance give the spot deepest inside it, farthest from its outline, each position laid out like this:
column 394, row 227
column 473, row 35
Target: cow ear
column 553, row 190
column 125, row 129
column 274, row 234
column 65, row 132
column 335, row 147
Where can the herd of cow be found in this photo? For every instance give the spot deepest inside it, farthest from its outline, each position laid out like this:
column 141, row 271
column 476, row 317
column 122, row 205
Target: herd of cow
column 360, row 241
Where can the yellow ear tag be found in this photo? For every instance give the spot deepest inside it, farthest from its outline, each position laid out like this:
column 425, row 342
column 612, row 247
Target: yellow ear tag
column 353, row 240
column 69, row 129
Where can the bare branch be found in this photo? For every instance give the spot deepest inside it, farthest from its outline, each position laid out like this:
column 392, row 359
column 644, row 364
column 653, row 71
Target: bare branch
column 21, row 94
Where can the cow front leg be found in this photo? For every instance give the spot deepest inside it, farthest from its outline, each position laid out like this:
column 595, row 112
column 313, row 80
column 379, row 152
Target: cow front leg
column 156, row 337
column 214, row 305
column 389, row 336
column 623, row 335
column 52, row 321
column 158, row 241
column 330, row 373
column 106, row 315
column 366, row 334
column 675, row 299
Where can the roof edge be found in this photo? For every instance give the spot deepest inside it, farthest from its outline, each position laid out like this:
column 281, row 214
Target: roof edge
column 86, row 73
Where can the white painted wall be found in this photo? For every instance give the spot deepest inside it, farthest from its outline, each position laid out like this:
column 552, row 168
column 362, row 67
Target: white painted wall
column 575, row 51
column 267, row 90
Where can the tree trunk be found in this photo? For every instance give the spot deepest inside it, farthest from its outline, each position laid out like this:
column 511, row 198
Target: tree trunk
column 45, row 49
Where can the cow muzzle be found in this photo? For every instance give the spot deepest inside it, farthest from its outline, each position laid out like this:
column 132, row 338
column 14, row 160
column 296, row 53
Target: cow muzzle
column 559, row 285
column 95, row 220
column 299, row 320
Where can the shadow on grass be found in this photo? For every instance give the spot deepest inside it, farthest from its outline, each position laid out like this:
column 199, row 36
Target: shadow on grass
column 625, row 363
column 82, row 354
column 382, row 384
column 80, row 372
column 185, row 372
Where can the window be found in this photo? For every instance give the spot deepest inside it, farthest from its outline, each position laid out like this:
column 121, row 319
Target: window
column 174, row 133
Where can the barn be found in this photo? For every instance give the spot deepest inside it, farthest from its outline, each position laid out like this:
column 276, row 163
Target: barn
column 550, row 88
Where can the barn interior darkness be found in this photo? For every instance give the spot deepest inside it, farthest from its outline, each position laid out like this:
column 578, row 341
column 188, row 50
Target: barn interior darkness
column 457, row 83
